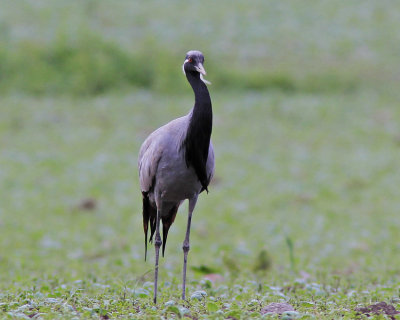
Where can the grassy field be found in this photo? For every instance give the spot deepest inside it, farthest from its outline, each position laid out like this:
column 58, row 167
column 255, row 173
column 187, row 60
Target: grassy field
column 305, row 202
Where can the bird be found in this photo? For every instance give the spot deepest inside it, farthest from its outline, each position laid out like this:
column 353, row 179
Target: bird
column 176, row 162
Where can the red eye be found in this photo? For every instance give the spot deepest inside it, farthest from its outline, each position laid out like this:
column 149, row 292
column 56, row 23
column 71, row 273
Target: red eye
column 190, row 60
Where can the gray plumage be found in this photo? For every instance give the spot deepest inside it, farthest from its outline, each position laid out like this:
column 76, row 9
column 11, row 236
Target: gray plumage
column 176, row 162
column 162, row 164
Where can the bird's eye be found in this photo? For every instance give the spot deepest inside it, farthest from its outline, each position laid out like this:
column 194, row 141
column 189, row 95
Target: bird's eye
column 190, row 60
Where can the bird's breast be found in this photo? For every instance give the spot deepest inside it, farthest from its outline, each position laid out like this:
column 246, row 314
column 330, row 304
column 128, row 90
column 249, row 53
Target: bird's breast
column 176, row 181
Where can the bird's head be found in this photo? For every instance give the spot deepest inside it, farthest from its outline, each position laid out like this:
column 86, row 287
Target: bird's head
column 194, row 63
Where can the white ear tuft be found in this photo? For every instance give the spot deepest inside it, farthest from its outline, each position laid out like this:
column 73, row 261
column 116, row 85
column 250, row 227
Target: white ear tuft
column 183, row 67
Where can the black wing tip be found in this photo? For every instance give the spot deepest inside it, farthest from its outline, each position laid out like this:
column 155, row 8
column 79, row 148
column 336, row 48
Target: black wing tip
column 163, row 249
column 165, row 236
column 148, row 215
column 145, row 246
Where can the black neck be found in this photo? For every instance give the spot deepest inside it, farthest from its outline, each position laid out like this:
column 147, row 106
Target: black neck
column 198, row 136
column 201, row 94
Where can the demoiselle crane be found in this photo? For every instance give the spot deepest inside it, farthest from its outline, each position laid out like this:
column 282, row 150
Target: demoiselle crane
column 176, row 162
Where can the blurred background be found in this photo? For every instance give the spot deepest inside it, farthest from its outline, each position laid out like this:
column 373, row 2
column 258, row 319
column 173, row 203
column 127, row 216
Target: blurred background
column 306, row 134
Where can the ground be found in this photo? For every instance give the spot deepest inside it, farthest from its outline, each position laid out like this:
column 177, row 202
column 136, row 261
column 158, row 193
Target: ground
column 303, row 210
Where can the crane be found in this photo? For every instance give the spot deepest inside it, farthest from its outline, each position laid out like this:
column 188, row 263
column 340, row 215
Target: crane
column 176, row 162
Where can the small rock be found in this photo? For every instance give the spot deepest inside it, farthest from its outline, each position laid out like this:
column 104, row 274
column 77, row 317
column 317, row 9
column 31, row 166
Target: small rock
column 276, row 307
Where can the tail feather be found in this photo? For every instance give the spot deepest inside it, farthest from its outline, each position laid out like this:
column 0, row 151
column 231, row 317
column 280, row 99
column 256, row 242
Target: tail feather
column 149, row 213
column 165, row 236
column 152, row 226
column 167, row 222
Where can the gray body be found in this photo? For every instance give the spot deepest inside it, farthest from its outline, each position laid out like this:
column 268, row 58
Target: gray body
column 163, row 171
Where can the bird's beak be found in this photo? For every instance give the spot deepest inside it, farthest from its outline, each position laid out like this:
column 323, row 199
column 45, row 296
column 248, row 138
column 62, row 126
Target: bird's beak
column 200, row 69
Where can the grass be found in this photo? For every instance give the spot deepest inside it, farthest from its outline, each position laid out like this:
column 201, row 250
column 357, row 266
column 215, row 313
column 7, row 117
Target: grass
column 307, row 181
column 304, row 206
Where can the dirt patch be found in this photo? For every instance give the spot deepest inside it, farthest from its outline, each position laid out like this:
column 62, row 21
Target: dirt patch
column 379, row 308
column 87, row 204
column 278, row 308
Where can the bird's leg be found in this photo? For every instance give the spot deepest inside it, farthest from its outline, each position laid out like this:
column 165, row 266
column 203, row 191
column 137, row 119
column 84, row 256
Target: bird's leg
column 186, row 243
column 157, row 245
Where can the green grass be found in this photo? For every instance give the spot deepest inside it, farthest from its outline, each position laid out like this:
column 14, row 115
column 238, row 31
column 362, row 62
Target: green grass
column 304, row 205
column 317, row 171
